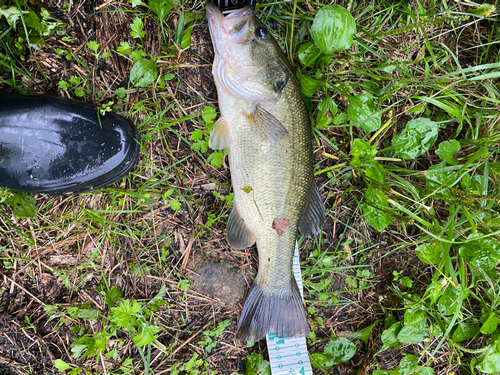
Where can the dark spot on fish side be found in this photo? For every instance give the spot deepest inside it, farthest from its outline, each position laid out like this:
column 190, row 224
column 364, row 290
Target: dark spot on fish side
column 280, row 225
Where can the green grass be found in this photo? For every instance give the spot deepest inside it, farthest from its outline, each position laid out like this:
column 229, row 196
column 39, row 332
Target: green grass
column 407, row 269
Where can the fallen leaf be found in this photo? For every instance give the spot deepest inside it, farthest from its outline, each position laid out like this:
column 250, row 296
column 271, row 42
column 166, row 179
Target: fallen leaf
column 280, row 225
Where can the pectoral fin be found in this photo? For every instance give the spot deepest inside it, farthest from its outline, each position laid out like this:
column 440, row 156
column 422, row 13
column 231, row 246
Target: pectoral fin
column 238, row 235
column 219, row 135
column 266, row 124
column 313, row 216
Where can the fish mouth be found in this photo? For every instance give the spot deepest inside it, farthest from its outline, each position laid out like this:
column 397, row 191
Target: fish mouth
column 230, row 26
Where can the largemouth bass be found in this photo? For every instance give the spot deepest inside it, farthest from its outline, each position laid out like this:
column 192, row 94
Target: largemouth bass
column 266, row 128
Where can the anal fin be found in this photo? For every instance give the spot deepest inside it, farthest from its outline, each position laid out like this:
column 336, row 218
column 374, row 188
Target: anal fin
column 238, row 235
column 219, row 135
column 312, row 219
column 265, row 123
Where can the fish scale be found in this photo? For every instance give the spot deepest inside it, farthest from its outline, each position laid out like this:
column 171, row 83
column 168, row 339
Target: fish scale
column 266, row 128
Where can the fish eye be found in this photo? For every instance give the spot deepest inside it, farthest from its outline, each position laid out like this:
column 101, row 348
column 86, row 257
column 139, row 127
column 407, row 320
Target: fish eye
column 261, row 32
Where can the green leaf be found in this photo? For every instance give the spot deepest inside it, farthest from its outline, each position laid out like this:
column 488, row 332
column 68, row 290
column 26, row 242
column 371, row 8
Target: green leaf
column 308, row 53
column 491, row 359
column 363, row 113
column 448, row 302
column 409, row 365
column 340, row 349
column 63, row 85
column 93, row 46
column 373, row 209
column 438, row 179
column 255, row 364
column 209, row 114
column 484, row 10
column 464, row 332
column 175, row 204
column 112, row 296
column 12, row 14
column 215, row 159
column 201, row 146
column 309, row 85
column 416, row 138
column 143, row 73
column 137, row 55
column 23, row 205
column 161, row 7
column 33, row 21
column 321, row 361
column 389, row 336
column 362, row 150
column 124, row 48
column 430, row 253
column 79, row 92
column 363, row 334
column 415, row 329
column 196, row 135
column 61, row 365
column 376, row 172
column 333, row 29
column 137, row 28
column 491, row 324
column 136, row 3
column 147, row 334
column 447, row 150
column 483, row 253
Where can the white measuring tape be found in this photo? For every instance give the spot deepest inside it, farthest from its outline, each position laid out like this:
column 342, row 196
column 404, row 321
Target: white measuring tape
column 289, row 355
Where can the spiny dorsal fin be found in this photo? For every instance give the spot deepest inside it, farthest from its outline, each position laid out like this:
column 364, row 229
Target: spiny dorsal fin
column 314, row 214
column 268, row 125
column 238, row 235
column 219, row 135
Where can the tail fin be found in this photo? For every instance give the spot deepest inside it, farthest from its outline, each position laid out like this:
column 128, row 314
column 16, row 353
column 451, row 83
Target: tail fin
column 279, row 312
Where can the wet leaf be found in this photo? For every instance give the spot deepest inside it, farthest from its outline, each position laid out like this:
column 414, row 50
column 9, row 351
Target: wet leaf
column 448, row 303
column 373, row 209
column 483, row 253
column 430, row 253
column 491, row 324
column 375, row 172
column 390, row 336
column 464, row 332
column 415, row 329
column 256, row 365
column 416, row 138
column 363, row 113
column 309, row 85
column 337, row 350
column 447, row 150
column 280, row 225
column 321, row 361
column 438, row 179
column 491, row 359
column 23, row 205
column 143, row 73
column 362, row 151
column 409, row 365
column 333, row 29
column 308, row 53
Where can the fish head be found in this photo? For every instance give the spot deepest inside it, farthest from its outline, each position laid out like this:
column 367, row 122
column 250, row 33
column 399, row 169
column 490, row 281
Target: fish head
column 249, row 63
